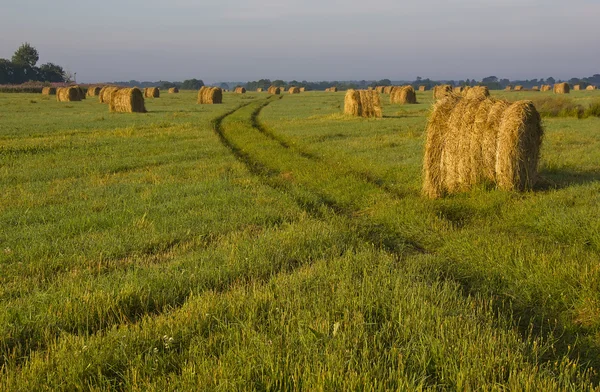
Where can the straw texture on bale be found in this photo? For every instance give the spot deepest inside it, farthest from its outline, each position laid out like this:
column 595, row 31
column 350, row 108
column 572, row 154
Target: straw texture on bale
column 49, row 91
column 240, row 90
column 577, row 87
column 294, row 90
column 471, row 141
column 590, row 88
column 127, row 100
column 274, row 90
column 93, row 91
column 546, row 87
column 380, row 89
column 518, row 88
column 458, row 89
column 422, row 88
column 477, row 91
column 68, row 94
column 362, row 103
column 388, row 89
column 442, row 91
column 210, row 95
column 173, row 90
column 104, row 95
column 151, row 92
column 562, row 88
column 403, row 95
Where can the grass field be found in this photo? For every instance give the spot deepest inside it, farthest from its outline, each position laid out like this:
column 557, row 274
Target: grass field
column 272, row 243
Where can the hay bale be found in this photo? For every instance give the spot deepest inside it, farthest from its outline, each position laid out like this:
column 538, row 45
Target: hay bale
column 294, row 90
column 173, row 90
column 442, row 91
column 577, row 87
column 470, row 141
column 81, row 91
column 210, row 95
column 591, row 88
column 477, row 91
column 388, row 89
column 562, row 88
column 105, row 92
column 93, row 91
column 240, row 90
column 49, row 91
column 274, row 90
column 458, row 90
column 68, row 94
column 362, row 103
column 508, row 88
column 380, row 89
column 535, row 88
column 403, row 95
column 333, row 89
column 259, row 90
column 422, row 88
column 519, row 88
column 151, row 92
column 546, row 87
column 127, row 100
column 302, row 89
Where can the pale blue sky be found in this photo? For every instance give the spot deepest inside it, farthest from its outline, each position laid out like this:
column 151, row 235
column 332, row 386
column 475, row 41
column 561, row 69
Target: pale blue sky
column 311, row 39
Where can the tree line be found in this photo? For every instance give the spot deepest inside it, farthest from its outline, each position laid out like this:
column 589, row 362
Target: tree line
column 21, row 68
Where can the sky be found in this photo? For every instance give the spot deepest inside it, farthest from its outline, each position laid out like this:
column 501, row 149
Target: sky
column 235, row 40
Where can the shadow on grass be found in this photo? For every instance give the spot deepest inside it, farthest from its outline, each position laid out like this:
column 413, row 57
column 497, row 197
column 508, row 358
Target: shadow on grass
column 551, row 179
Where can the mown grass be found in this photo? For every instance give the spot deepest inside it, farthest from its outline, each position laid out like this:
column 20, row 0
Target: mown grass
column 275, row 244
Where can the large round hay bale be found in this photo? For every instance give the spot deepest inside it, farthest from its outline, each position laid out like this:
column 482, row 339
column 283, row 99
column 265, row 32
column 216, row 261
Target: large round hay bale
column 127, row 100
column 81, row 91
column 259, row 90
column 362, row 103
column 519, row 88
column 422, row 88
column 562, row 88
column 388, row 89
column 68, row 94
column 302, row 89
column 590, row 88
column 508, row 88
column 403, row 95
column 577, row 87
column 274, row 90
column 173, row 90
column 210, row 95
column 535, row 88
column 294, row 90
column 151, row 92
column 546, row 87
column 105, row 92
column 93, row 91
column 470, row 141
column 332, row 89
column 352, row 103
column 442, row 91
column 240, row 90
column 477, row 91
column 380, row 89
column 49, row 91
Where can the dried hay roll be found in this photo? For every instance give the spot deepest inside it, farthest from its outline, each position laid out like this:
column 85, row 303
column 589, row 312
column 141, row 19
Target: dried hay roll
column 127, row 100
column 518, row 88
column 81, row 91
column 370, row 88
column 151, row 92
column 546, row 87
column 333, row 89
column 49, row 91
column 470, row 141
column 240, row 90
column 477, row 91
column 274, row 90
column 535, row 88
column 388, row 89
column 442, row 91
column 105, row 92
column 508, row 88
column 380, row 89
column 173, row 90
column 93, row 91
column 591, row 88
column 577, row 87
column 562, row 88
column 458, row 89
column 362, row 103
column 294, row 90
column 259, row 90
column 422, row 88
column 302, row 89
column 403, row 95
column 68, row 94
column 210, row 95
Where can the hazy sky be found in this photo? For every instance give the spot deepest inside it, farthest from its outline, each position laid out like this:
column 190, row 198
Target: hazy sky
column 236, row 40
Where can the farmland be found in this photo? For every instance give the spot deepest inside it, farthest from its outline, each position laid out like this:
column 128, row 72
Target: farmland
column 273, row 243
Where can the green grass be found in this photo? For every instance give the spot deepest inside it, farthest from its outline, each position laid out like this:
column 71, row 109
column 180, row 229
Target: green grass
column 271, row 243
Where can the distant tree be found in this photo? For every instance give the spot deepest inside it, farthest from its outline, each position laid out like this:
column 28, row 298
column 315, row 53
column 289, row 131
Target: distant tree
column 26, row 55
column 51, row 73
column 7, row 72
column 278, row 83
column 224, row 86
column 192, row 84
column 384, row 82
column 550, row 80
column 490, row 79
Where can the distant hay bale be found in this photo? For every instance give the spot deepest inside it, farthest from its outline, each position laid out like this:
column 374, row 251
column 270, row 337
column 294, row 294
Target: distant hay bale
column 259, row 90
column 442, row 91
column 590, row 88
column 508, row 88
column 151, row 92
column 104, row 95
column 274, row 90
column 173, row 90
column 535, row 88
column 388, row 89
column 470, row 141
column 210, row 95
column 422, row 88
column 477, row 91
column 370, row 88
column 49, row 91
column 562, row 88
column 546, row 87
column 240, row 90
column 380, row 89
column 294, row 90
column 302, row 89
column 403, row 95
column 68, row 94
column 332, row 89
column 362, row 103
column 577, row 87
column 127, row 100
column 282, row 89
column 518, row 88
column 93, row 91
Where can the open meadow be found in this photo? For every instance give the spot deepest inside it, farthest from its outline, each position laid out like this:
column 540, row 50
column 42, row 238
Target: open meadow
column 273, row 243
